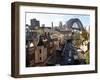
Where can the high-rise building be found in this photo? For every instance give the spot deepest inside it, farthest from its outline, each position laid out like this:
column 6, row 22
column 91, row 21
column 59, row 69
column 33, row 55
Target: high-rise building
column 43, row 25
column 35, row 23
column 52, row 27
column 60, row 25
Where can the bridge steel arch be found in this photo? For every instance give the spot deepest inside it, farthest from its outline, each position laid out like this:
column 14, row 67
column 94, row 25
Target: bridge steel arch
column 78, row 22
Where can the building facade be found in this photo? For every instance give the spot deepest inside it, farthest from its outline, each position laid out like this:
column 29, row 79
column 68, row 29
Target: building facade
column 40, row 54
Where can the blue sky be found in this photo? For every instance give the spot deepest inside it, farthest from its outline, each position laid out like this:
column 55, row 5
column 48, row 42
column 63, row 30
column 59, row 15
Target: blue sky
column 46, row 19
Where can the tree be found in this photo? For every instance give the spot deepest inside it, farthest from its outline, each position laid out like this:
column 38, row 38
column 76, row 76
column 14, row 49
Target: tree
column 82, row 39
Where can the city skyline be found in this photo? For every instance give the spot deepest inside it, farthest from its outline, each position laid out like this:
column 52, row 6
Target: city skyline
column 62, row 44
column 47, row 18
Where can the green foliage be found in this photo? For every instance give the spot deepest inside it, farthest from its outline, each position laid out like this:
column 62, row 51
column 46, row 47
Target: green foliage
column 79, row 39
column 87, row 57
column 85, row 35
column 39, row 31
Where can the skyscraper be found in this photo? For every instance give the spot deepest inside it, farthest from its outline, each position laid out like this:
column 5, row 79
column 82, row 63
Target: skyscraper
column 60, row 25
column 52, row 26
column 35, row 23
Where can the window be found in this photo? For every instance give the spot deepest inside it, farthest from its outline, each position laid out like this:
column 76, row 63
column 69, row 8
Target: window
column 40, row 51
column 40, row 58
